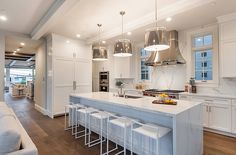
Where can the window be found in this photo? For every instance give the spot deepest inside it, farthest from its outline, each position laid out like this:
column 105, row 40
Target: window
column 203, row 57
column 145, row 70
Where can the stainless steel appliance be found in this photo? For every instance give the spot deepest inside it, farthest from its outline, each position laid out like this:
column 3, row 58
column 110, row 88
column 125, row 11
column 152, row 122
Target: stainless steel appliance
column 171, row 56
column 104, row 81
column 174, row 94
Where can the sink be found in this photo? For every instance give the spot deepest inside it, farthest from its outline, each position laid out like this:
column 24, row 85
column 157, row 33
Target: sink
column 130, row 96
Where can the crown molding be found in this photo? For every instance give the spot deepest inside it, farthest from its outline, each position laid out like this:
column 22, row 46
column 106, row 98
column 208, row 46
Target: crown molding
column 169, row 11
column 226, row 18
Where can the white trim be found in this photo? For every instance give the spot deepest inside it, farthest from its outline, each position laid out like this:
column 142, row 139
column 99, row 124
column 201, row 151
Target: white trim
column 190, row 64
column 40, row 109
column 52, row 16
column 226, row 18
column 220, row 132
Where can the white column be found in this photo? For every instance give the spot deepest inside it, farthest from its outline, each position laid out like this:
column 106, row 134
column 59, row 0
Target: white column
column 2, row 65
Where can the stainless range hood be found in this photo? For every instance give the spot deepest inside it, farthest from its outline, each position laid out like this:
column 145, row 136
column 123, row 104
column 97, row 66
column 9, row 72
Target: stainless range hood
column 171, row 56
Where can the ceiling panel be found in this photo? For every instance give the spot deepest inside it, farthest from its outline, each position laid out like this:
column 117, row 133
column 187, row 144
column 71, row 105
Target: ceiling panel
column 23, row 15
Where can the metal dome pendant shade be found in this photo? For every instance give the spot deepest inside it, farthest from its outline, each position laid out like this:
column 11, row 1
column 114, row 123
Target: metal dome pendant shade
column 156, row 38
column 99, row 52
column 122, row 47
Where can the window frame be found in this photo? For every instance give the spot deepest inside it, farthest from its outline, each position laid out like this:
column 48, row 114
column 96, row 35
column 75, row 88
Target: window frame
column 212, row 29
column 202, row 49
column 140, row 70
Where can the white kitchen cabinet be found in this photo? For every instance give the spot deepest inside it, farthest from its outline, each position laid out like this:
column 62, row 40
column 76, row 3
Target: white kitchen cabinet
column 216, row 112
column 228, row 55
column 205, row 108
column 70, row 72
column 227, row 28
column 220, row 115
column 122, row 67
column 234, row 116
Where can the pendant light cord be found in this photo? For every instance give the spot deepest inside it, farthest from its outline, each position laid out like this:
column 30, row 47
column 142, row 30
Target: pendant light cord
column 99, row 34
column 156, row 12
column 122, row 13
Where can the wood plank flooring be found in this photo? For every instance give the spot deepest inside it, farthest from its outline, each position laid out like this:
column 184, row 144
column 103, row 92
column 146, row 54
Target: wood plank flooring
column 51, row 139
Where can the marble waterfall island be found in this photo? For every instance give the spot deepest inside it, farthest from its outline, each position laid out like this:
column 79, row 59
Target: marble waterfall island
column 184, row 119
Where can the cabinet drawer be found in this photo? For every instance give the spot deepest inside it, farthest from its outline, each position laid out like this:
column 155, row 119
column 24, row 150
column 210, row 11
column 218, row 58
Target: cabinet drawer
column 211, row 100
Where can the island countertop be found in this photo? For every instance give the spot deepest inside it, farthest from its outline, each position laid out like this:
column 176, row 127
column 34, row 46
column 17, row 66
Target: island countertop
column 144, row 103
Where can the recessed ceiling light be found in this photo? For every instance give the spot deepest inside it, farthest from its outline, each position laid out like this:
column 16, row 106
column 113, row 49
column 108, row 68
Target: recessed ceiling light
column 3, row 18
column 68, row 41
column 168, row 19
column 17, row 49
column 78, row 35
column 104, row 42
column 22, row 44
column 129, row 33
column 14, row 51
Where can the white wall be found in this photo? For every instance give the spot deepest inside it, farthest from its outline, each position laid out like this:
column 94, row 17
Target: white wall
column 40, row 77
column 109, row 65
column 2, row 64
column 170, row 77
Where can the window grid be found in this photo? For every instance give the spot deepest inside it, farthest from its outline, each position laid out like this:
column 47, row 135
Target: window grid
column 203, row 47
column 145, row 71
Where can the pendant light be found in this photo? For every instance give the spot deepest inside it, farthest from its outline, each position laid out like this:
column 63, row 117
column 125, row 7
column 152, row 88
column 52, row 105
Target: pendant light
column 123, row 47
column 99, row 52
column 156, row 38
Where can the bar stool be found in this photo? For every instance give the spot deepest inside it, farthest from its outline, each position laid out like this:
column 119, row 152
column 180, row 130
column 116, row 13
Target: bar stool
column 97, row 124
column 145, row 138
column 82, row 119
column 71, row 108
column 118, row 126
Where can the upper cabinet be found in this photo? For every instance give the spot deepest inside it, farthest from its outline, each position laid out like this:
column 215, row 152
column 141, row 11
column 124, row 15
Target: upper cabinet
column 227, row 28
column 122, row 67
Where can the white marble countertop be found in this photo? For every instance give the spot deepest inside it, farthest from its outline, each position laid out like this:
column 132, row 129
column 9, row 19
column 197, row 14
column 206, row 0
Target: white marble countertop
column 144, row 103
column 227, row 96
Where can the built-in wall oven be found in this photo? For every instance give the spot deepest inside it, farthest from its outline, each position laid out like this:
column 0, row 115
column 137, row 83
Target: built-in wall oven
column 104, row 81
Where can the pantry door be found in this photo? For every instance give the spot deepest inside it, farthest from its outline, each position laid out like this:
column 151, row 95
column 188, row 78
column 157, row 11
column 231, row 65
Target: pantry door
column 64, row 70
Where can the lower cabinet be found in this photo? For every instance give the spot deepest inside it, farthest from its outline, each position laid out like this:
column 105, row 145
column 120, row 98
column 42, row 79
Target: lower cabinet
column 217, row 113
column 234, row 117
column 220, row 116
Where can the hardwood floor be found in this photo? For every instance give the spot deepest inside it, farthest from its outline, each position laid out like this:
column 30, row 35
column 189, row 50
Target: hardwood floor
column 51, row 139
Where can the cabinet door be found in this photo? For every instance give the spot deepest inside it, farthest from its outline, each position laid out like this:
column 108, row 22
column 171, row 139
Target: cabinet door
column 228, row 54
column 220, row 116
column 234, row 117
column 205, row 115
column 122, row 67
column 205, row 108
column 83, row 76
column 63, row 83
column 62, row 47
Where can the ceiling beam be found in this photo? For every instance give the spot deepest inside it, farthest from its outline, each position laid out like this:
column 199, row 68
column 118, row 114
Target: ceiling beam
column 12, row 63
column 19, row 54
column 30, row 59
column 58, row 9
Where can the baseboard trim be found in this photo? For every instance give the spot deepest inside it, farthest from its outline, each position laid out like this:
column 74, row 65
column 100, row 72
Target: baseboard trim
column 220, row 132
column 41, row 109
